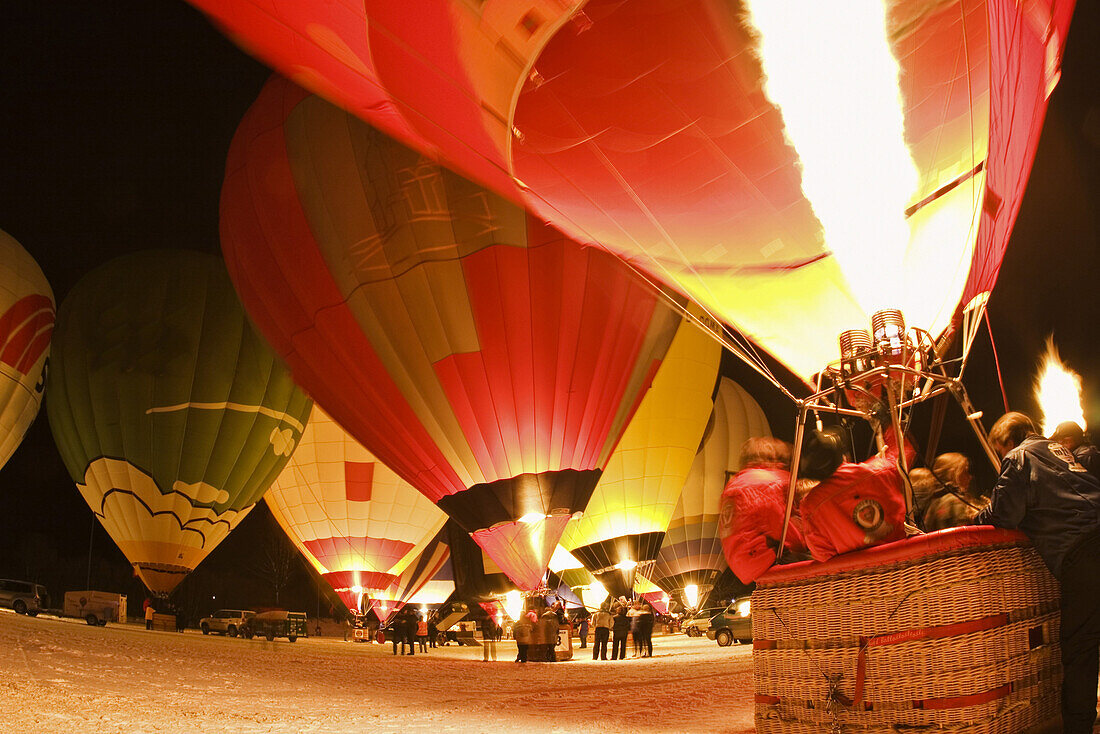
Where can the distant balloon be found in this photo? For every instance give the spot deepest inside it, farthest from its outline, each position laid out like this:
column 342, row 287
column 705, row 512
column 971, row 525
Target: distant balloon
column 624, row 524
column 692, row 548
column 487, row 359
column 26, row 323
column 355, row 521
column 171, row 413
column 415, row 578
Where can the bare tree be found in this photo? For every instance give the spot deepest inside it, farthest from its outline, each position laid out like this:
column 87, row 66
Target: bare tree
column 276, row 563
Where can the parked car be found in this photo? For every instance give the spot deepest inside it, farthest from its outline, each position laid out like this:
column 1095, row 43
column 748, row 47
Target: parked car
column 278, row 623
column 696, row 625
column 25, row 597
column 226, row 621
column 732, row 623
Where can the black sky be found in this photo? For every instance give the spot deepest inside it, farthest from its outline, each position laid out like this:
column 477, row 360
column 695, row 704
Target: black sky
column 116, row 119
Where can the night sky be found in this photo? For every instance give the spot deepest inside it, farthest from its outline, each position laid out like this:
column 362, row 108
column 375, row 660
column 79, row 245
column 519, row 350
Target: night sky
column 116, row 121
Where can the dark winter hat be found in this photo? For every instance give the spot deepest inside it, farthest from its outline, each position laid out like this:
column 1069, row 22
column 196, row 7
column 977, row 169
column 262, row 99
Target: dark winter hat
column 822, row 453
column 1069, row 429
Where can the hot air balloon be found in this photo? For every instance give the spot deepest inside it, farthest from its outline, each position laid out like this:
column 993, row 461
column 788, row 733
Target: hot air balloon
column 488, row 360
column 753, row 159
column 692, row 550
column 355, row 521
column 415, row 577
column 624, row 524
column 26, row 323
column 171, row 413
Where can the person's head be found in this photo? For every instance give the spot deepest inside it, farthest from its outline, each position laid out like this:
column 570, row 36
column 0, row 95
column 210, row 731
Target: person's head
column 1009, row 431
column 924, row 485
column 953, row 468
column 822, row 452
column 1069, row 434
column 765, row 452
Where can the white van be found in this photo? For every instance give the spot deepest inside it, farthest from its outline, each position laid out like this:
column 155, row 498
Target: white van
column 95, row 607
column 24, row 597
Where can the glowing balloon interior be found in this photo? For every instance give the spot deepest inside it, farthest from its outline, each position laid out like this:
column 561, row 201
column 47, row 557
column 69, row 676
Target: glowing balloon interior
column 487, row 359
column 354, row 519
column 772, row 164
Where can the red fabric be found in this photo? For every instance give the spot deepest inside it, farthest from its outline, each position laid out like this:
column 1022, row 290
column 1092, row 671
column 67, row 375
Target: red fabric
column 358, row 480
column 751, row 521
column 374, row 552
column 25, row 331
column 859, row 506
column 285, row 285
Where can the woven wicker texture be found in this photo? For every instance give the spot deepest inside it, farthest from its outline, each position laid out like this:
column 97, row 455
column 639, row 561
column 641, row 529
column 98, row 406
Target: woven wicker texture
column 974, row 622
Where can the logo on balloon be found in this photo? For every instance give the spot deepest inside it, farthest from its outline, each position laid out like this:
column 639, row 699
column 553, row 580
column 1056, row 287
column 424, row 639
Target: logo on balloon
column 282, row 441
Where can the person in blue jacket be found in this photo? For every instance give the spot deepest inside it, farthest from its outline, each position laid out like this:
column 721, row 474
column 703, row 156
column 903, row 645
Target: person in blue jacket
column 1046, row 493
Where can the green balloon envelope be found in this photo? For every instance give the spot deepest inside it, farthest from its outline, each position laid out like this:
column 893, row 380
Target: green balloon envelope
column 171, row 413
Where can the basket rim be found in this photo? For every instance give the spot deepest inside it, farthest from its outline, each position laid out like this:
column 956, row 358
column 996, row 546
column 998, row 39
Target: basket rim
column 901, row 552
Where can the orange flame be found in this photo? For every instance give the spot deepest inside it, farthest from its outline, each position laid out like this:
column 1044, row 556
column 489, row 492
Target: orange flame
column 1058, row 391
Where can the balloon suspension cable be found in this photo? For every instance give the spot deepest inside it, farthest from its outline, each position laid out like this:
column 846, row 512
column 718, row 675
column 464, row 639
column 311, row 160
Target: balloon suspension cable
column 740, row 345
column 996, row 359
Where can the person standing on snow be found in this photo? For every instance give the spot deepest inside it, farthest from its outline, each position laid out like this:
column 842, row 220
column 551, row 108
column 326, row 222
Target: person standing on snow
column 1044, row 492
column 620, row 627
column 602, row 622
column 521, row 633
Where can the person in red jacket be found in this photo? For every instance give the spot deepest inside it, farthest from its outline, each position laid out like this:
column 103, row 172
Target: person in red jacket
column 854, row 506
column 752, row 508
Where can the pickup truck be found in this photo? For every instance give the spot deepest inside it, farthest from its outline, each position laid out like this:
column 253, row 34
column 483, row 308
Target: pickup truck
column 226, row 621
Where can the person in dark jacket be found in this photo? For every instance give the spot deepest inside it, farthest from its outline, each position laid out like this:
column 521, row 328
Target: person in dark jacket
column 521, row 632
column 408, row 631
column 1070, row 435
column 549, row 624
column 582, row 629
column 1046, row 493
column 645, row 629
column 620, row 628
column 433, row 630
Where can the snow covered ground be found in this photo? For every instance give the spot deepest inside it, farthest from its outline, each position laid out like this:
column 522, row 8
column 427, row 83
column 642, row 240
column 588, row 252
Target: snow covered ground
column 64, row 676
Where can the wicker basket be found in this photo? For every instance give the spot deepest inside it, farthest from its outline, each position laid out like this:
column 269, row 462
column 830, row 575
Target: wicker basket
column 953, row 631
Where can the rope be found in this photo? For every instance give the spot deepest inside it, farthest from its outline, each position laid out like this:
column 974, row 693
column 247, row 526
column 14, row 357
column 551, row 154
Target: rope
column 996, row 360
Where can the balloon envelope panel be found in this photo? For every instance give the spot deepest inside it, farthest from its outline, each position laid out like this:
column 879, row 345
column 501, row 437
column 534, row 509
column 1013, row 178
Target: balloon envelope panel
column 26, row 324
column 486, row 358
column 626, row 518
column 352, row 517
column 643, row 126
column 692, row 549
column 171, row 413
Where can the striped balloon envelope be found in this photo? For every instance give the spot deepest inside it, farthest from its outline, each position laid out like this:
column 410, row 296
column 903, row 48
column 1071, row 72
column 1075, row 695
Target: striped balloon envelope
column 171, row 413
column 692, row 549
column 26, row 324
column 356, row 522
column 487, row 359
column 712, row 142
column 624, row 524
column 414, row 578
